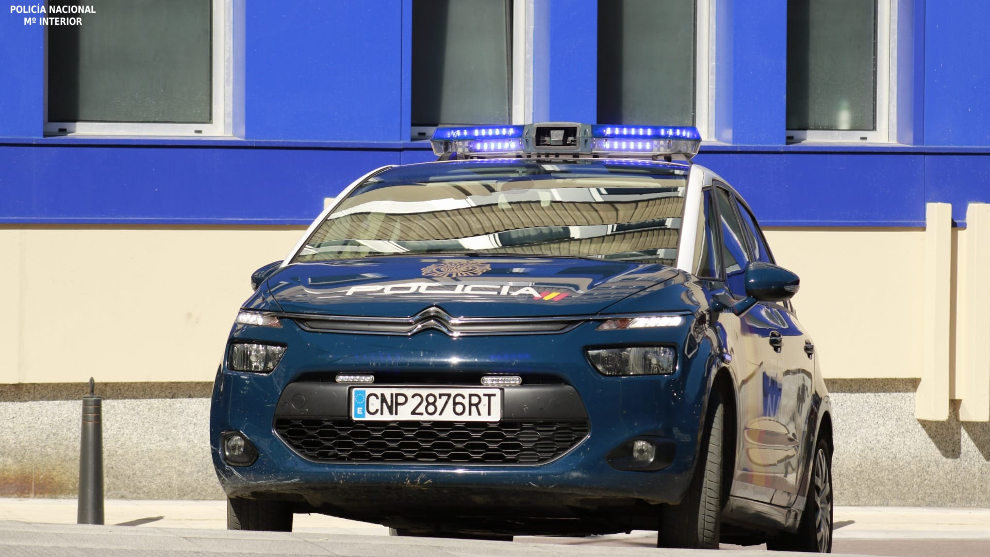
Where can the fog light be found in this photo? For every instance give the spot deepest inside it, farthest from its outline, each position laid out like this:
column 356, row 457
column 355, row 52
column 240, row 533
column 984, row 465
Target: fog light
column 643, row 451
column 634, row 360
column 237, row 450
column 256, row 357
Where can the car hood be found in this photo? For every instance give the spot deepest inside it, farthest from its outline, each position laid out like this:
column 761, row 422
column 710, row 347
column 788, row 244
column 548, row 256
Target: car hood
column 402, row 286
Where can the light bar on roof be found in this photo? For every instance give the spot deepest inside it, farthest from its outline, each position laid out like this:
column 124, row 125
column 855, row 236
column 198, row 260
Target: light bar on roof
column 567, row 140
column 629, row 140
column 646, row 132
column 477, row 132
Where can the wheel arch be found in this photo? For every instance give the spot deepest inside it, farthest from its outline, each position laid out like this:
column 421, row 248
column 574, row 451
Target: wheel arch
column 823, row 431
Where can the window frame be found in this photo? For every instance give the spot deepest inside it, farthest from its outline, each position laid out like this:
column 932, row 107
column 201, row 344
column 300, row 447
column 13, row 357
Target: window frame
column 731, row 197
column 711, row 224
column 885, row 97
column 704, row 73
column 221, row 95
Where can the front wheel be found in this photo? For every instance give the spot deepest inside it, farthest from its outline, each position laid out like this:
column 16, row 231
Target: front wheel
column 695, row 523
column 814, row 533
column 251, row 514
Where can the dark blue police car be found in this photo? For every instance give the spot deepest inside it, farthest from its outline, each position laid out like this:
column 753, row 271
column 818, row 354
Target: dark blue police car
column 554, row 329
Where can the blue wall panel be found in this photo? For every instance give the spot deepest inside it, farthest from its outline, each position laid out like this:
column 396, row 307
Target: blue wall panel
column 324, row 70
column 176, row 184
column 322, row 96
column 959, row 179
column 751, row 72
column 22, row 77
column 957, row 66
column 255, row 182
column 811, row 188
column 571, row 81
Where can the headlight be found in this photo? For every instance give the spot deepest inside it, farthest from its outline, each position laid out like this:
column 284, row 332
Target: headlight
column 634, row 360
column 257, row 319
column 255, row 357
column 645, row 322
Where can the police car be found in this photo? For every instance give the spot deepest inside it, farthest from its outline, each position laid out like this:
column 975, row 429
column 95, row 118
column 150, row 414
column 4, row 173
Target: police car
column 555, row 328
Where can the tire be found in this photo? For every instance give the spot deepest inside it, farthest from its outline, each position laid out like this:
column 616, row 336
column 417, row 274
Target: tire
column 695, row 523
column 814, row 533
column 250, row 514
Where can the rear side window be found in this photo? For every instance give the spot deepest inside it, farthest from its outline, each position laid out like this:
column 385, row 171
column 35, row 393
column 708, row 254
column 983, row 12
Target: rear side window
column 760, row 250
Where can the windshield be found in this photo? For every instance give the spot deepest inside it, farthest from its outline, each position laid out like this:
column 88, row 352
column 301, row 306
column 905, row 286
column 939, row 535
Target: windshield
column 603, row 209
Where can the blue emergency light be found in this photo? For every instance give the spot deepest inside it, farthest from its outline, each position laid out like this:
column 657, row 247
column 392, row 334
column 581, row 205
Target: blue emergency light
column 566, row 140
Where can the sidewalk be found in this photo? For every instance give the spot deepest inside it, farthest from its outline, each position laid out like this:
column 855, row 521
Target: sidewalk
column 850, row 522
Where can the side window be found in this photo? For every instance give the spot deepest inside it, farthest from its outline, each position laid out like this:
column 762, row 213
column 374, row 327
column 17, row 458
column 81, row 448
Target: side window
column 760, row 251
column 155, row 67
column 705, row 264
column 735, row 256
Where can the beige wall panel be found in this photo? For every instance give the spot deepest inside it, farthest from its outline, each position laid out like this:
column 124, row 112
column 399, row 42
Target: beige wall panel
column 137, row 304
column 150, row 304
column 860, row 298
column 11, row 254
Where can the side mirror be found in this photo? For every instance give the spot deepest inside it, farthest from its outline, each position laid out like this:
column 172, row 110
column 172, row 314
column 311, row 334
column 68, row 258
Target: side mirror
column 765, row 282
column 769, row 283
column 262, row 274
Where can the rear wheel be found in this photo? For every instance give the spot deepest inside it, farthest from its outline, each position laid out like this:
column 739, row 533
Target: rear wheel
column 695, row 522
column 250, row 514
column 814, row 534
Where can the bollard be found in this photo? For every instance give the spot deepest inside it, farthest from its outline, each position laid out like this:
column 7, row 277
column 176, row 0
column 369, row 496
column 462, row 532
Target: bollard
column 91, row 460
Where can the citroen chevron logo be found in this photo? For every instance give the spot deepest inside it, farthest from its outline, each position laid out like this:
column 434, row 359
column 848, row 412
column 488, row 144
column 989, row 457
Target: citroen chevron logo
column 432, row 318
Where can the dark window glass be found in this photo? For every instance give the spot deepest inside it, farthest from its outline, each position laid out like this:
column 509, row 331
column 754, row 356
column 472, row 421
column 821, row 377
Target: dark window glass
column 145, row 61
column 705, row 264
column 831, row 64
column 752, row 230
column 646, row 61
column 461, row 62
column 734, row 252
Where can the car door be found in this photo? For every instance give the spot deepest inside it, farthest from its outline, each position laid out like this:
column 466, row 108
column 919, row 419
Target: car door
column 787, row 393
column 756, row 364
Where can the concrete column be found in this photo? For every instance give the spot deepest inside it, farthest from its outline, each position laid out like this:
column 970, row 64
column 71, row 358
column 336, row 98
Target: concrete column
column 973, row 332
column 932, row 398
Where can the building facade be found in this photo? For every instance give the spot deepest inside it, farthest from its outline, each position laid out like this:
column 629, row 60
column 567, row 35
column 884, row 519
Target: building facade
column 154, row 153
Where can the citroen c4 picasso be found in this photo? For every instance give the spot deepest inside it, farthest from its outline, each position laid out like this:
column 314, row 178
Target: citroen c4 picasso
column 555, row 328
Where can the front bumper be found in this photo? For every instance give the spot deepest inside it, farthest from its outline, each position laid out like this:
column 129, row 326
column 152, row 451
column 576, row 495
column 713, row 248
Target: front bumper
column 578, row 484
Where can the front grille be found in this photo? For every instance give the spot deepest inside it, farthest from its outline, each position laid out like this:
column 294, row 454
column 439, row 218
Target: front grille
column 434, row 318
column 325, row 440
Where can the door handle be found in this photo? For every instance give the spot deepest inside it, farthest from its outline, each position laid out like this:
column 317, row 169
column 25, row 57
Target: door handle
column 809, row 348
column 776, row 341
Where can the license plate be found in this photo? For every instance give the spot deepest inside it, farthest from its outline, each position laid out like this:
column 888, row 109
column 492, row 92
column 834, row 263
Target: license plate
column 426, row 404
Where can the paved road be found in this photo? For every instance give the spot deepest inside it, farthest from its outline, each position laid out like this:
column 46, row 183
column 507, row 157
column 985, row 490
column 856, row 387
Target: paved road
column 195, row 528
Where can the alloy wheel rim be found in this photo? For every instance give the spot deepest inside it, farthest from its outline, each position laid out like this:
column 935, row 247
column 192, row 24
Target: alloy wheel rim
column 823, row 502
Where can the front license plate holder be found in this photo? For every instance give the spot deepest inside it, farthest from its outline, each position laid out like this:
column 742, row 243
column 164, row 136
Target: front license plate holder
column 426, row 404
